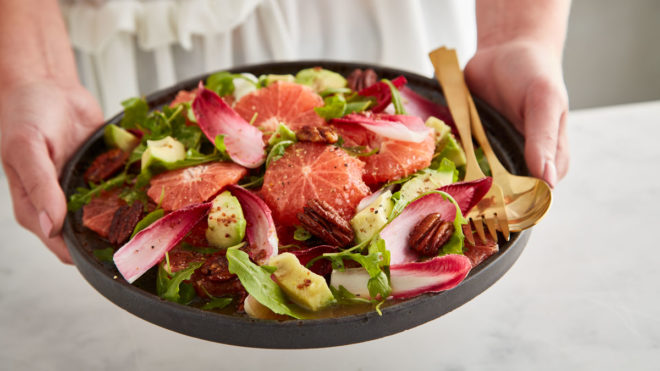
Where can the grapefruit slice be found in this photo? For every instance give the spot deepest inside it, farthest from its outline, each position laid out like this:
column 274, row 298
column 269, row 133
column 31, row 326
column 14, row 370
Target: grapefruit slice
column 395, row 159
column 313, row 171
column 282, row 101
column 193, row 185
column 98, row 213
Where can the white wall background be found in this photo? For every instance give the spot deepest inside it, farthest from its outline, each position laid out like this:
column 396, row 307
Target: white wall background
column 612, row 53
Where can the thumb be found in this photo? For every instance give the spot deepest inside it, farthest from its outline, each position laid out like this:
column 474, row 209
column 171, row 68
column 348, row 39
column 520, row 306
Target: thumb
column 544, row 109
column 29, row 158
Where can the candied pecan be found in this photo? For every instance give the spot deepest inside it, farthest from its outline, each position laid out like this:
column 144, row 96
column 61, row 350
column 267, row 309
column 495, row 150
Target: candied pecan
column 430, row 234
column 105, row 165
column 324, row 222
column 323, row 134
column 360, row 79
column 216, row 268
column 124, row 222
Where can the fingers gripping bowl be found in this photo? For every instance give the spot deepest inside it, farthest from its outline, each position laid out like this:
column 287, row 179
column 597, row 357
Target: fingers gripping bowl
column 349, row 325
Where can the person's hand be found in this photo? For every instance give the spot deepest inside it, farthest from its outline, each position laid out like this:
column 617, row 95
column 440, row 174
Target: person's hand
column 42, row 124
column 524, row 82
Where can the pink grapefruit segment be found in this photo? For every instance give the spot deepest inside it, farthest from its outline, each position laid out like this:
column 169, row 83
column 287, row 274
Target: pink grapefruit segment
column 98, row 213
column 313, row 171
column 286, row 102
column 192, row 185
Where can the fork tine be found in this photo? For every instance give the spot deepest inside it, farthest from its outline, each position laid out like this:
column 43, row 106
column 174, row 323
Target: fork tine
column 503, row 223
column 479, row 226
column 469, row 235
column 490, row 223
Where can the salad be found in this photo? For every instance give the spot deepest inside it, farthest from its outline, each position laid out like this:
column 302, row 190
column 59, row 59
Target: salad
column 285, row 196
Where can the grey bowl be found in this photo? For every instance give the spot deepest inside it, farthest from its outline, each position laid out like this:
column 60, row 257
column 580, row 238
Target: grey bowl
column 141, row 300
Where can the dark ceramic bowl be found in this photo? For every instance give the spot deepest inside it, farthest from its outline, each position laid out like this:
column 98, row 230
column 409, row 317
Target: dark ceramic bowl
column 141, row 300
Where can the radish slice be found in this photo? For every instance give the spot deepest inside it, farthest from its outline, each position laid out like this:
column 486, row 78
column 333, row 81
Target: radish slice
column 417, row 105
column 381, row 91
column 260, row 231
column 244, row 142
column 410, row 279
column 397, row 233
column 149, row 246
column 398, row 127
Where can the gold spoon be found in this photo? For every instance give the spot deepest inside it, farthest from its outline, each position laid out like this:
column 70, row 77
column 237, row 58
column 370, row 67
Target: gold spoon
column 526, row 199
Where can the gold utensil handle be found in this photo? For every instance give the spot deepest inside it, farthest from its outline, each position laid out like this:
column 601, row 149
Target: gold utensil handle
column 448, row 72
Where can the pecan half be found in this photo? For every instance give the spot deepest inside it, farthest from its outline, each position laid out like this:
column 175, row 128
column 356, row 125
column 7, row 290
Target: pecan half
column 124, row 222
column 105, row 165
column 360, row 79
column 430, row 234
column 323, row 134
column 324, row 222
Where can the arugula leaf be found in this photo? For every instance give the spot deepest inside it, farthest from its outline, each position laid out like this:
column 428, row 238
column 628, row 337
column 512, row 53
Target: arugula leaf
column 104, row 255
column 333, row 107
column 301, row 234
column 217, row 303
column 257, row 282
column 135, row 113
column 189, row 135
column 396, row 98
column 221, row 82
column 169, row 286
column 345, row 297
column 277, row 151
column 84, row 195
column 482, row 161
column 252, row 181
column 283, row 133
column 148, row 220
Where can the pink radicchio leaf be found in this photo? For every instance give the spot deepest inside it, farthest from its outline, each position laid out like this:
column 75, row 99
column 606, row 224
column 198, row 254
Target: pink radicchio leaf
column 260, row 232
column 417, row 105
column 149, row 246
column 381, row 91
column 321, row 266
column 244, row 142
column 399, row 127
column 409, row 279
column 397, row 232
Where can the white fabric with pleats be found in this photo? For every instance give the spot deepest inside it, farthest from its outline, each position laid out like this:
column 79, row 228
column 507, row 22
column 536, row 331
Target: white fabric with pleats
column 126, row 48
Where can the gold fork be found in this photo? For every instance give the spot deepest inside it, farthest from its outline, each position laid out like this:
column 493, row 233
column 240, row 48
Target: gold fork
column 490, row 210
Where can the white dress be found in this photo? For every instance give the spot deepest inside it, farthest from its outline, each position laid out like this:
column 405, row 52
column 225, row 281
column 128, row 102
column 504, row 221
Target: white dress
column 127, row 48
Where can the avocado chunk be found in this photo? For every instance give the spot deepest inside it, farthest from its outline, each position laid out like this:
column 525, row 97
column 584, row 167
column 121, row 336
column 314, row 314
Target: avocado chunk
column 372, row 218
column 320, row 79
column 428, row 180
column 269, row 79
column 301, row 286
column 121, row 138
column 163, row 151
column 445, row 142
column 226, row 221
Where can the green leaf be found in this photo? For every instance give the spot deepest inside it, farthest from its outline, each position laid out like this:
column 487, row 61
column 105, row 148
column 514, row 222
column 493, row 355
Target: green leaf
column 301, row 234
column 334, row 107
column 282, row 134
column 396, row 98
column 221, row 82
column 189, row 135
column 217, row 303
column 257, row 282
column 345, row 297
column 148, row 220
column 220, row 145
column 135, row 113
column 252, row 181
column 277, row 151
column 169, row 286
column 379, row 286
column 104, row 255
column 84, row 195
column 482, row 161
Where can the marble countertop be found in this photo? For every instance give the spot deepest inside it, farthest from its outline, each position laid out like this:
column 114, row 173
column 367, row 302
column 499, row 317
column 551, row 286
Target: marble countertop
column 583, row 295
